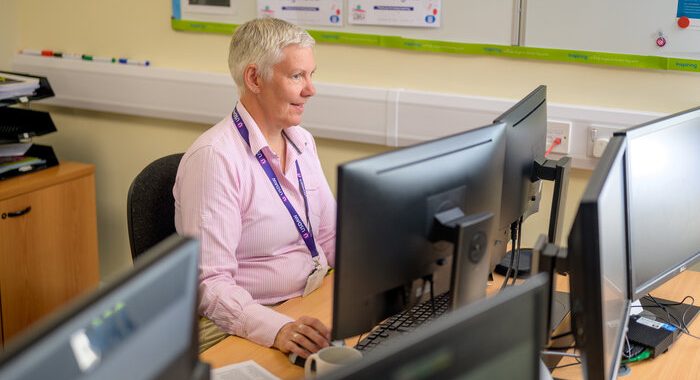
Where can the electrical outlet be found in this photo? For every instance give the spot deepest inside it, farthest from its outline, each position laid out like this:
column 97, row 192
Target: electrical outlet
column 561, row 129
column 598, row 137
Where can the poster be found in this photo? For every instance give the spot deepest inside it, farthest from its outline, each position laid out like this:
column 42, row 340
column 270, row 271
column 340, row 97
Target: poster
column 222, row 7
column 304, row 12
column 410, row 13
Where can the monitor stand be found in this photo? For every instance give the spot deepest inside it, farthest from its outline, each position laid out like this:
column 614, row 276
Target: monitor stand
column 544, row 372
column 524, row 264
column 560, row 308
column 202, row 371
column 551, row 259
column 470, row 266
column 548, row 170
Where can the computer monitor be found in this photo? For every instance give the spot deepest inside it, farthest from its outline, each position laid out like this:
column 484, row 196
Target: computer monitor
column 664, row 199
column 525, row 167
column 396, row 211
column 143, row 325
column 598, row 266
column 526, row 133
column 482, row 341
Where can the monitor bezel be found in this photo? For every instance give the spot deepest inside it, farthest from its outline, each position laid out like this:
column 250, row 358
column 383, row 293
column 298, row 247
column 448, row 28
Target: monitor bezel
column 38, row 332
column 451, row 327
column 584, row 258
column 380, row 164
column 637, row 291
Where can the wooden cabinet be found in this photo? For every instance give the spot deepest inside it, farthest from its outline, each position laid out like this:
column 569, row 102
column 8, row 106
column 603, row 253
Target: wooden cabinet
column 48, row 243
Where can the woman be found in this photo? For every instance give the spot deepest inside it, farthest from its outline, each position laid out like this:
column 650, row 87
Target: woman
column 251, row 189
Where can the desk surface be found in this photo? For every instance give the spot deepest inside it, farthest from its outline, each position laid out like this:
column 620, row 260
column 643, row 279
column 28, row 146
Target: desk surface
column 682, row 361
column 234, row 349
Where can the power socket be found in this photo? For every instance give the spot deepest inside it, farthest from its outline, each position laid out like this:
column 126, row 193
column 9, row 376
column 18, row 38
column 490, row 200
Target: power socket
column 561, row 129
column 598, row 137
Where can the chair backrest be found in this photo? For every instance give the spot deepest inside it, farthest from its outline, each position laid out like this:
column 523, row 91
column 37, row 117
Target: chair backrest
column 150, row 204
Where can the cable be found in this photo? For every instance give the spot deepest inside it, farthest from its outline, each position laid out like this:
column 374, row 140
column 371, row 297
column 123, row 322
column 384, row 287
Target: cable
column 513, row 234
column 359, row 339
column 561, row 347
column 578, row 362
column 692, row 301
column 557, row 353
column 628, row 346
column 555, row 337
column 669, row 316
column 682, row 326
column 555, row 142
column 517, row 257
column 646, row 354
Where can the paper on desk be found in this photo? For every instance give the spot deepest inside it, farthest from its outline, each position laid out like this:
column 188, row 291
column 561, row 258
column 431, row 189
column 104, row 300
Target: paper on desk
column 12, row 85
column 247, row 370
column 9, row 150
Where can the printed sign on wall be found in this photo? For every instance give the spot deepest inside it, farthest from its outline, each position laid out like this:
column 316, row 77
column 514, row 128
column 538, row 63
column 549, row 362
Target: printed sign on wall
column 304, row 12
column 411, row 13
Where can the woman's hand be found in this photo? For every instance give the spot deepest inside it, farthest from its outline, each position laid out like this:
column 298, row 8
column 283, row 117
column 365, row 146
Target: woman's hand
column 303, row 337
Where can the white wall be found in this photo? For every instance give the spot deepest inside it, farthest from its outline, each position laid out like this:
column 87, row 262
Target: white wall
column 121, row 146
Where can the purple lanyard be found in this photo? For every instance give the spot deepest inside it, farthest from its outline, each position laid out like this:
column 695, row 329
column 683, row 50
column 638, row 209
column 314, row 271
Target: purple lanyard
column 306, row 234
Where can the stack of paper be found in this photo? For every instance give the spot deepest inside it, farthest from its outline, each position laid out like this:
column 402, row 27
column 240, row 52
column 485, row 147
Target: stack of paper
column 13, row 85
column 12, row 157
column 23, row 164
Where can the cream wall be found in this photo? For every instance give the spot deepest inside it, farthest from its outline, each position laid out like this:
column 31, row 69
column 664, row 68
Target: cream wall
column 8, row 31
column 121, row 145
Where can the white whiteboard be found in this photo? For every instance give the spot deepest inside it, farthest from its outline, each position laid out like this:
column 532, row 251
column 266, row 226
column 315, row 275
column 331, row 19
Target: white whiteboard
column 464, row 21
column 613, row 26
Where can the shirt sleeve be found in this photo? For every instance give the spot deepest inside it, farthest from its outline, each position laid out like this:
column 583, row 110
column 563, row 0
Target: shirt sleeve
column 326, row 231
column 209, row 189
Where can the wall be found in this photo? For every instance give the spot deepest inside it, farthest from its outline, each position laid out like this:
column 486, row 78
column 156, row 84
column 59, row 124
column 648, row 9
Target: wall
column 120, row 145
column 8, row 31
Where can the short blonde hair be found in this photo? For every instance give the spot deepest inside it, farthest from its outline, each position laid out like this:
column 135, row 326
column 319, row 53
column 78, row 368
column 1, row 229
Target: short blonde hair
column 260, row 42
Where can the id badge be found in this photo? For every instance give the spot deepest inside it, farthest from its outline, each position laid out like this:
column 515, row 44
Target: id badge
column 315, row 279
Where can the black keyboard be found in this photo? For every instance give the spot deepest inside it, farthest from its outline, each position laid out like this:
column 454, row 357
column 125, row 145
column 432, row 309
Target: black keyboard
column 405, row 321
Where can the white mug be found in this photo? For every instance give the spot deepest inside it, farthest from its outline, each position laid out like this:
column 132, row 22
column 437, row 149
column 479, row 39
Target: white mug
column 328, row 359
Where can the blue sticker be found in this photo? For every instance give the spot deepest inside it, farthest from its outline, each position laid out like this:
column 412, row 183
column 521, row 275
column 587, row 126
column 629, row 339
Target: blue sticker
column 430, row 19
column 689, row 8
column 668, row 327
column 335, row 19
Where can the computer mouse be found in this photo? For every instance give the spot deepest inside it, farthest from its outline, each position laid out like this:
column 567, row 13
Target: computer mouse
column 298, row 360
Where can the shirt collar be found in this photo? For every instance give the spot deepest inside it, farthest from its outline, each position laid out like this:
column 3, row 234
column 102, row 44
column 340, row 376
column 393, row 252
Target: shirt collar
column 293, row 134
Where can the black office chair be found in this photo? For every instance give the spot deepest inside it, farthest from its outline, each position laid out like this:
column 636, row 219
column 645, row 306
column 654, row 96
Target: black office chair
column 150, row 206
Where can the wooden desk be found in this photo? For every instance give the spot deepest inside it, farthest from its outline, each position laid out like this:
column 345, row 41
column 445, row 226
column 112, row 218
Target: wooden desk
column 234, row 349
column 681, row 362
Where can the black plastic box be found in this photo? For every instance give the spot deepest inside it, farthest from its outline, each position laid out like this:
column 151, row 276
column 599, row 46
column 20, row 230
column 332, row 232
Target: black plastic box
column 21, row 125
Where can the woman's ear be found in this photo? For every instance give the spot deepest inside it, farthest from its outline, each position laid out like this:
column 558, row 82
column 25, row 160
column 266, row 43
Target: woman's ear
column 252, row 78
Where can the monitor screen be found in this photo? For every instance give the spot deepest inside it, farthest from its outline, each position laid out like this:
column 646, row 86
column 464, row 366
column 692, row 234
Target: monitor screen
column 387, row 208
column 143, row 325
column 598, row 272
column 664, row 198
column 526, row 133
column 482, row 341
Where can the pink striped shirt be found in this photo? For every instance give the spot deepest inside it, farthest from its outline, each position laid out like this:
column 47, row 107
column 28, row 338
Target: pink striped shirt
column 252, row 254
